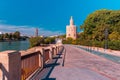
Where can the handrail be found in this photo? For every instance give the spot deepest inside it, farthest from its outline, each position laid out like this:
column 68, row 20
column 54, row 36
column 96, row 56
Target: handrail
column 29, row 63
column 46, row 55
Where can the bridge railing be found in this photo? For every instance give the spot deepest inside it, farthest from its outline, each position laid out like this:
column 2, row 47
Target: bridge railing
column 54, row 51
column 46, row 55
column 22, row 65
column 30, row 63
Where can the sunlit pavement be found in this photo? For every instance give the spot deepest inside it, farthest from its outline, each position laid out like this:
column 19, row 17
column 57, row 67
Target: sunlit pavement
column 78, row 64
column 82, row 65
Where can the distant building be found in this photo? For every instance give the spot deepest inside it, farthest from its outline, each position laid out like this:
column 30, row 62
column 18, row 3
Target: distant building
column 54, row 36
column 71, row 30
column 58, row 41
column 36, row 32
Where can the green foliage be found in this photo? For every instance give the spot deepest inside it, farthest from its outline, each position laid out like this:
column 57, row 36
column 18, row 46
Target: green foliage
column 68, row 41
column 114, row 36
column 100, row 27
column 49, row 40
column 6, row 35
column 16, row 35
column 98, row 21
column 94, row 29
column 36, row 41
column 10, row 36
column 114, row 45
column 1, row 37
column 62, row 36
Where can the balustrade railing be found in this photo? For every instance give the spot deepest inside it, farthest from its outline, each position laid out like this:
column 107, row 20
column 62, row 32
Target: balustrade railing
column 54, row 51
column 21, row 65
column 29, row 63
column 46, row 55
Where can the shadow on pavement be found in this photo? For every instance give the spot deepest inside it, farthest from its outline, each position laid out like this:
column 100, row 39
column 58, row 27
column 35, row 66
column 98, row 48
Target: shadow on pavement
column 49, row 79
column 48, row 68
column 52, row 65
column 57, row 57
column 5, row 73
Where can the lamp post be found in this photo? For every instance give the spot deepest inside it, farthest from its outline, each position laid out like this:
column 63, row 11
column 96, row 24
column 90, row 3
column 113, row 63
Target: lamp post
column 106, row 38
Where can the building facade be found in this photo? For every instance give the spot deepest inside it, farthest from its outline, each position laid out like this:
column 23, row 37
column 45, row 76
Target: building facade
column 71, row 30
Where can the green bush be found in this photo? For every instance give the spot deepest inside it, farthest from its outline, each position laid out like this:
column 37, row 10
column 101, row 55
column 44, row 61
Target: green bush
column 49, row 40
column 36, row 41
column 40, row 41
column 115, row 45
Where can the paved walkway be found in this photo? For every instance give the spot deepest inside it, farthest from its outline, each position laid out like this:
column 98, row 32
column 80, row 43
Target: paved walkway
column 105, row 51
column 81, row 65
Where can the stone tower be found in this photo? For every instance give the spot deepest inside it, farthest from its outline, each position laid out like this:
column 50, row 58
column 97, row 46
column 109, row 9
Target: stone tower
column 36, row 32
column 71, row 30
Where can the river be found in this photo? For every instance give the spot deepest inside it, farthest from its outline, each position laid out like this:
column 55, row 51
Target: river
column 14, row 45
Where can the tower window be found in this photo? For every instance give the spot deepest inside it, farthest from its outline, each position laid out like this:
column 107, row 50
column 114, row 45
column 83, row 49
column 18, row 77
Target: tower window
column 68, row 34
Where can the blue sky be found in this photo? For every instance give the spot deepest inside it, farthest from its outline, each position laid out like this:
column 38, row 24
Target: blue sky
column 50, row 16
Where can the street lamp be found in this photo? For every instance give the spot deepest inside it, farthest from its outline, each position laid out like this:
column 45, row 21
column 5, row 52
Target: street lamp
column 106, row 38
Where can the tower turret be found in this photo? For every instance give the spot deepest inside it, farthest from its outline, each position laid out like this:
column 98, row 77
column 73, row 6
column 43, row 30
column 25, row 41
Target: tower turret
column 71, row 21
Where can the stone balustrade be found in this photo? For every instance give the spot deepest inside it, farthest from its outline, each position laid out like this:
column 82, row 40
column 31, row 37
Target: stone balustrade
column 23, row 64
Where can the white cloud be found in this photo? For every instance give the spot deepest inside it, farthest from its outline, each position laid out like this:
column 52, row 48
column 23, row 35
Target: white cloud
column 27, row 30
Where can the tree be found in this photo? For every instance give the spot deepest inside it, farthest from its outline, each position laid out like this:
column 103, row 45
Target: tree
column 69, row 40
column 1, row 36
column 62, row 36
column 16, row 35
column 95, row 25
column 6, row 35
column 114, row 36
column 49, row 40
column 10, row 36
column 36, row 41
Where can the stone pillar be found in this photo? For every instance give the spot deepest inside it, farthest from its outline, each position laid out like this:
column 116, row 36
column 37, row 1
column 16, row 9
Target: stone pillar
column 57, row 49
column 10, row 65
column 42, row 54
column 51, row 53
column 41, row 57
column 40, row 60
column 54, row 50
